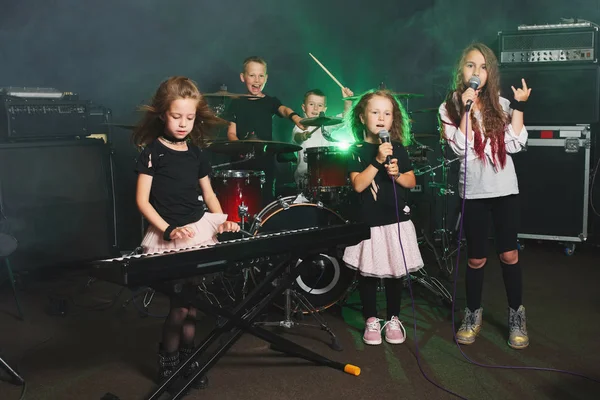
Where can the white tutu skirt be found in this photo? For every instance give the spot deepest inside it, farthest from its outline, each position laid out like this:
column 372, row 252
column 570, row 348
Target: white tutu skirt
column 381, row 255
column 205, row 235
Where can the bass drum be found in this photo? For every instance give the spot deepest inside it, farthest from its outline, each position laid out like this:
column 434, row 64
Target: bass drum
column 325, row 279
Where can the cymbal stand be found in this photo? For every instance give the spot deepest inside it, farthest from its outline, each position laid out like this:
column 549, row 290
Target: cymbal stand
column 293, row 299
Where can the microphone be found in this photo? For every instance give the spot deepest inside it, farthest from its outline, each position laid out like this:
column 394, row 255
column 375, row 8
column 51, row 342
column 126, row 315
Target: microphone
column 474, row 83
column 385, row 138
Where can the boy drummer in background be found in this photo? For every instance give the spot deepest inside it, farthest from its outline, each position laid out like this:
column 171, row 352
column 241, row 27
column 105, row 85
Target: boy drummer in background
column 252, row 118
column 315, row 102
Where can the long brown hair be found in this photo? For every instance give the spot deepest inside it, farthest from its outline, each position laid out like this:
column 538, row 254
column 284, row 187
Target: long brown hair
column 494, row 117
column 176, row 87
column 400, row 130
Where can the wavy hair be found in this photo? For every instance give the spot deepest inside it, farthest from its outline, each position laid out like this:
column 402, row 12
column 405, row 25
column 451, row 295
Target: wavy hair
column 400, row 130
column 494, row 117
column 178, row 87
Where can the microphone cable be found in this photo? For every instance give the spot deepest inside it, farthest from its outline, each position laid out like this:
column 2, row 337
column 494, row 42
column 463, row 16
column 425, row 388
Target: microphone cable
column 412, row 299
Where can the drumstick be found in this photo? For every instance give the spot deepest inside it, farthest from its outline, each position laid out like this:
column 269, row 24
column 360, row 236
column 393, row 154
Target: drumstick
column 325, row 69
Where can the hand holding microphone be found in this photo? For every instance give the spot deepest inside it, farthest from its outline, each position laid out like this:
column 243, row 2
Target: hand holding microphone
column 469, row 95
column 385, row 149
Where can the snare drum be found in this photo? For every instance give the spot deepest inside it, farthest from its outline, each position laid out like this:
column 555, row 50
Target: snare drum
column 239, row 192
column 324, row 279
column 327, row 169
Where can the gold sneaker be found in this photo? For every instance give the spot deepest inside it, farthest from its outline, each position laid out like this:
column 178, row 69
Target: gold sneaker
column 471, row 325
column 517, row 328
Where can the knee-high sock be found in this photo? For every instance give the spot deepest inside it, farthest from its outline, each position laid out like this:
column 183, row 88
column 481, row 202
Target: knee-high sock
column 513, row 283
column 474, row 286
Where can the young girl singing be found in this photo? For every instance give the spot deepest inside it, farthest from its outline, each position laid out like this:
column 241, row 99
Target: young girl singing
column 173, row 184
column 495, row 131
column 374, row 179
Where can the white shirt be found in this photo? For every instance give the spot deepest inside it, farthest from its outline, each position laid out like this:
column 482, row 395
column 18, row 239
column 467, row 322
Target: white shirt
column 484, row 179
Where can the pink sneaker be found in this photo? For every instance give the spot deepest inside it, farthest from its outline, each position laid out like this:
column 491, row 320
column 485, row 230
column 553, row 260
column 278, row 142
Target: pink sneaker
column 372, row 331
column 394, row 331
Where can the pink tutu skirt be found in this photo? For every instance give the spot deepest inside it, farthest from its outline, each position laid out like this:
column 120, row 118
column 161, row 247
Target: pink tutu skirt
column 381, row 255
column 205, row 235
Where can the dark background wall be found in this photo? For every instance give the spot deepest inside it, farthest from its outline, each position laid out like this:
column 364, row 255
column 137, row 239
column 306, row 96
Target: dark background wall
column 116, row 52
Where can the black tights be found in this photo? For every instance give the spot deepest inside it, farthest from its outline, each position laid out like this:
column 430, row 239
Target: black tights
column 368, row 296
column 179, row 329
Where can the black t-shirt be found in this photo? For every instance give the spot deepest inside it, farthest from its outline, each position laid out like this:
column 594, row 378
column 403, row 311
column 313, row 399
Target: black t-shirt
column 254, row 118
column 175, row 184
column 377, row 203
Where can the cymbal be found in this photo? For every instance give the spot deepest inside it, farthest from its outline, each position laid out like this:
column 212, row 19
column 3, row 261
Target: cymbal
column 225, row 93
column 424, row 110
column 249, row 146
column 398, row 95
column 321, row 120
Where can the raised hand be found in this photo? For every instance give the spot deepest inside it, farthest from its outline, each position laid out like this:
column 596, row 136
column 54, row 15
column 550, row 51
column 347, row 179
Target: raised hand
column 521, row 94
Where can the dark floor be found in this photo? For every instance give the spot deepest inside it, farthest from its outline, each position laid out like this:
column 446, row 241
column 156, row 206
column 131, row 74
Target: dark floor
column 95, row 349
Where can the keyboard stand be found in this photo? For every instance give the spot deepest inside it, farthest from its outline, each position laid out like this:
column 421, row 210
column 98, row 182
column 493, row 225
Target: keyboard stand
column 232, row 325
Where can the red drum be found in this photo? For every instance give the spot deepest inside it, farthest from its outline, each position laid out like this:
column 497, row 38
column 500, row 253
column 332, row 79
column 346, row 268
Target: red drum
column 239, row 192
column 325, row 279
column 327, row 169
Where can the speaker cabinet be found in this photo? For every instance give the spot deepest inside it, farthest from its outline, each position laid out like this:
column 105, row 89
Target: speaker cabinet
column 56, row 198
column 561, row 94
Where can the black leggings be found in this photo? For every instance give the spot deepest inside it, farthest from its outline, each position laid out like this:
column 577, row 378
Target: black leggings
column 368, row 296
column 505, row 217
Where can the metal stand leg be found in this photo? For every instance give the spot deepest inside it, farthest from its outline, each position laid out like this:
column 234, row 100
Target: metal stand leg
column 289, row 323
column 432, row 284
column 243, row 213
column 17, row 380
column 14, row 289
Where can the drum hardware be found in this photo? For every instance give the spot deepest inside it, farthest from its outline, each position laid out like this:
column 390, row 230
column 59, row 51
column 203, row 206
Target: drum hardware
column 324, row 278
column 247, row 157
column 327, row 170
column 441, row 189
column 283, row 203
column 250, row 147
column 239, row 192
column 321, row 121
column 292, row 295
column 223, row 93
column 243, row 213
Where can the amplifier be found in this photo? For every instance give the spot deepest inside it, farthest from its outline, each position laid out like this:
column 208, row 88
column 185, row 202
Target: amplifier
column 31, row 118
column 562, row 45
column 562, row 94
